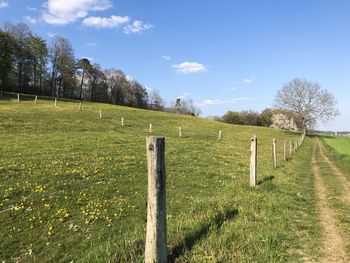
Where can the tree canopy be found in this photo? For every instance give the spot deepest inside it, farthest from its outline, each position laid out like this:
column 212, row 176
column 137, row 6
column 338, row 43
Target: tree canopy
column 308, row 101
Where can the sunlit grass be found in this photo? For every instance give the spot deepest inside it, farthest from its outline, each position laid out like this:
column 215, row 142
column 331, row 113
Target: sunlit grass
column 73, row 187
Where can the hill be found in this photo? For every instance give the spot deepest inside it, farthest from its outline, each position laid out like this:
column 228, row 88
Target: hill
column 73, row 187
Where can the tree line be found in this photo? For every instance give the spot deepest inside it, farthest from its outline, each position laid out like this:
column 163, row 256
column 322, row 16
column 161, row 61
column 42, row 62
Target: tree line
column 298, row 105
column 29, row 64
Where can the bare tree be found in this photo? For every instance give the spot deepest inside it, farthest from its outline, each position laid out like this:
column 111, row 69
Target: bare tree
column 155, row 101
column 308, row 101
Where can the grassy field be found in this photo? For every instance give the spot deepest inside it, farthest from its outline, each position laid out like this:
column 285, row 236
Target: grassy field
column 340, row 144
column 73, row 187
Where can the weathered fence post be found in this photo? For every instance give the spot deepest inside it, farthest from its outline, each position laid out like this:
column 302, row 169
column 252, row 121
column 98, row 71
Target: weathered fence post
column 180, row 132
column 285, row 151
column 274, row 155
column 156, row 233
column 55, row 102
column 36, row 99
column 253, row 160
column 81, row 105
column 219, row 136
column 290, row 149
column 17, row 97
column 122, row 121
column 150, row 128
column 100, row 113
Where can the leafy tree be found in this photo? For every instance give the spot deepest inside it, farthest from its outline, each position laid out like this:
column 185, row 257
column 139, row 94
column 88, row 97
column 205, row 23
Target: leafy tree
column 232, row 117
column 96, row 78
column 63, row 68
column 266, row 117
column 139, row 95
column 117, row 86
column 308, row 101
column 20, row 35
column 250, row 117
column 86, row 67
column 39, row 56
column 6, row 57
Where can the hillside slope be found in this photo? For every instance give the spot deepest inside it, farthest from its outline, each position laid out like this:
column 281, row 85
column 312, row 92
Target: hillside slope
column 73, row 187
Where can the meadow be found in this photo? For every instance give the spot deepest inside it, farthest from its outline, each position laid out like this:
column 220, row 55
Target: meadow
column 340, row 144
column 73, row 187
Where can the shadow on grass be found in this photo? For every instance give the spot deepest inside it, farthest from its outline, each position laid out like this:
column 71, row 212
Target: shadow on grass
column 266, row 179
column 196, row 235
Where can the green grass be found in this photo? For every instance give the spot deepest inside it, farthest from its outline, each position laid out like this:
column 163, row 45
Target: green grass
column 340, row 144
column 73, row 187
column 338, row 150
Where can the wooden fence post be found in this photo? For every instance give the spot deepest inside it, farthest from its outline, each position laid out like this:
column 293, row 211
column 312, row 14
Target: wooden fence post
column 81, row 105
column 180, row 132
column 122, row 121
column 100, row 113
column 253, row 160
column 156, row 233
column 17, row 97
column 285, row 151
column 274, row 154
column 36, row 99
column 150, row 128
column 219, row 136
column 55, row 102
column 290, row 149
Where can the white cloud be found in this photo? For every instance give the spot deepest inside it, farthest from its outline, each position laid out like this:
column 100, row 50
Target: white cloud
column 31, row 20
column 4, row 4
column 214, row 102
column 137, row 27
column 189, row 67
column 250, row 79
column 166, row 57
column 105, row 22
column 62, row 12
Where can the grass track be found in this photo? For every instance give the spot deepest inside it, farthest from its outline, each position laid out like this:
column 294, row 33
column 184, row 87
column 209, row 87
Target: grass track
column 73, row 187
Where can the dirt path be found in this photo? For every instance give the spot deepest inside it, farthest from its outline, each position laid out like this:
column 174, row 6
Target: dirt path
column 333, row 243
column 336, row 172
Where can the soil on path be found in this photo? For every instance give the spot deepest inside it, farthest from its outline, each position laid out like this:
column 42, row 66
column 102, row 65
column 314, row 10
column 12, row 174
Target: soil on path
column 336, row 172
column 333, row 243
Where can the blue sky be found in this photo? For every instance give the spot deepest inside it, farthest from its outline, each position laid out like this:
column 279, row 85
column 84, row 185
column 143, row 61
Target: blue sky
column 225, row 55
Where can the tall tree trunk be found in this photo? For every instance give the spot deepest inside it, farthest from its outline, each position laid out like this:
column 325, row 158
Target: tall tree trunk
column 20, row 66
column 81, row 85
column 59, row 86
column 34, row 73
column 53, row 84
column 92, row 89
column 40, row 82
